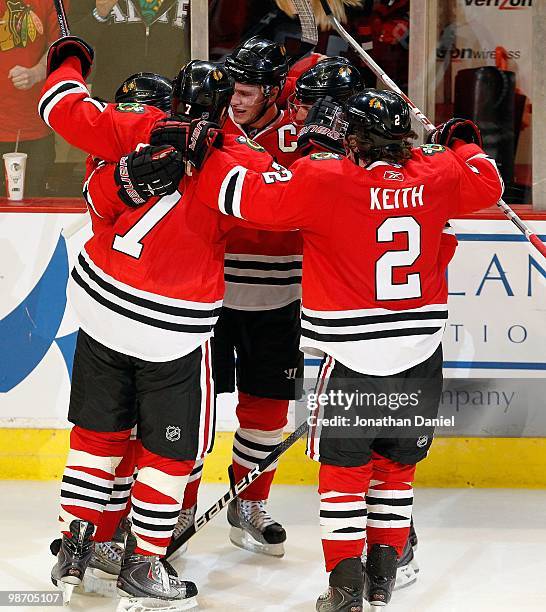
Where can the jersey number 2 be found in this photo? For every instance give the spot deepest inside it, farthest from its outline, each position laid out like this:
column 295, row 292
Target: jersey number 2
column 130, row 242
column 385, row 287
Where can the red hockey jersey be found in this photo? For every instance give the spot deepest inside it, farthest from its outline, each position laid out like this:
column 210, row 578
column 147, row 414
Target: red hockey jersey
column 374, row 287
column 149, row 283
column 263, row 269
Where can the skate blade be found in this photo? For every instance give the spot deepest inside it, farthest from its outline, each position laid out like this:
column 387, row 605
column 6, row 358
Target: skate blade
column 66, row 589
column 243, row 539
column 415, row 565
column 149, row 604
column 94, row 584
column 405, row 577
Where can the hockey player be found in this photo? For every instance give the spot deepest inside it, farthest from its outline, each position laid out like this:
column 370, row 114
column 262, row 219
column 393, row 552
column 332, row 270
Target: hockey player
column 261, row 313
column 145, row 323
column 374, row 303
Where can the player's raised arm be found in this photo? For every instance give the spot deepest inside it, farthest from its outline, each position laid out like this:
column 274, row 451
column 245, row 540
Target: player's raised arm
column 67, row 107
column 479, row 181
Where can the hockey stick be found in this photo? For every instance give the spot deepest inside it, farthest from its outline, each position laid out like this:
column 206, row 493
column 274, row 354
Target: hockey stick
column 420, row 116
column 61, row 17
column 240, row 486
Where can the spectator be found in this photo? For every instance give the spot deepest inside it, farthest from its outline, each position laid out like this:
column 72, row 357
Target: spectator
column 129, row 35
column 26, row 30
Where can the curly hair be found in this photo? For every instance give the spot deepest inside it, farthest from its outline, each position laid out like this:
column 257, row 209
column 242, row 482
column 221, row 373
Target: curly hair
column 366, row 147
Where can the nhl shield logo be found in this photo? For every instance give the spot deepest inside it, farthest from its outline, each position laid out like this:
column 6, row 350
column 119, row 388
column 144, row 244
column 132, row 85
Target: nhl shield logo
column 172, row 433
column 422, row 441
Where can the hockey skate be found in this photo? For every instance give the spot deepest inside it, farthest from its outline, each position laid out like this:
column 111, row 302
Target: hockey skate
column 73, row 556
column 406, row 574
column 346, row 590
column 252, row 528
column 147, row 583
column 176, row 548
column 380, row 574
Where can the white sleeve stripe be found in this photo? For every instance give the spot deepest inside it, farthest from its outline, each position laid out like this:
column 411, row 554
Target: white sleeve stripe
column 101, row 106
column 55, row 94
column 488, row 159
column 229, row 199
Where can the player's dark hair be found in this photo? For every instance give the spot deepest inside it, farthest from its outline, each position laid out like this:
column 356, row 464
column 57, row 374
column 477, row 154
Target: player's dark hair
column 363, row 144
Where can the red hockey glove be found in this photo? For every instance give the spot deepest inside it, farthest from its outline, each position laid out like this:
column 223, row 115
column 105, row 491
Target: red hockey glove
column 202, row 137
column 323, row 127
column 170, row 132
column 149, row 172
column 456, row 129
column 70, row 46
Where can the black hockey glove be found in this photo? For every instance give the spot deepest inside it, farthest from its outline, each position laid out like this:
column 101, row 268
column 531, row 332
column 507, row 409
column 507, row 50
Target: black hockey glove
column 171, row 132
column 202, row 137
column 70, row 46
column 456, row 129
column 323, row 127
column 149, row 172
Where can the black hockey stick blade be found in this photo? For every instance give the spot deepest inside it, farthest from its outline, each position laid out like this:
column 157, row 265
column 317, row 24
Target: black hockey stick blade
column 239, row 487
column 61, row 17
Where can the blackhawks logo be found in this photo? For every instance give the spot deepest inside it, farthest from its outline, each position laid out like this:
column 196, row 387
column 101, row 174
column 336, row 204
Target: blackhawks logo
column 130, row 107
column 19, row 26
column 250, row 143
column 324, row 155
column 432, row 149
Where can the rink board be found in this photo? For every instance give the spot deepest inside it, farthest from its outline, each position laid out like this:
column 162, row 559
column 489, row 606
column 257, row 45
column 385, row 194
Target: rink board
column 495, row 333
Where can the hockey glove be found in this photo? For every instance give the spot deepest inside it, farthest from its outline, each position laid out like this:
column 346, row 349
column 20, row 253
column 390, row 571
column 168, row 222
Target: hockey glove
column 202, row 137
column 171, row 132
column 456, row 129
column 70, row 46
column 323, row 127
column 148, row 172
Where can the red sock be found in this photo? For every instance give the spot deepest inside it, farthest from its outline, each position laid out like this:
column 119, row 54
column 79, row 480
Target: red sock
column 192, row 488
column 156, row 500
column 343, row 511
column 390, row 503
column 88, row 477
column 261, row 422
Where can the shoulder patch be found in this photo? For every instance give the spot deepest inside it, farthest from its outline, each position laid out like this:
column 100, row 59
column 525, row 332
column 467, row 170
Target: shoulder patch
column 130, row 107
column 324, row 155
column 250, row 144
column 432, row 149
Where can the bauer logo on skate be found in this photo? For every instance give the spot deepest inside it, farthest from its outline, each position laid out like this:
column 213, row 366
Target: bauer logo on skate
column 172, row 433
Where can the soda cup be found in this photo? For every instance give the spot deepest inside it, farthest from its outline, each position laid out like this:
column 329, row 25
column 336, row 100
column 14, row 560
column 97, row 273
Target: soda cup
column 15, row 164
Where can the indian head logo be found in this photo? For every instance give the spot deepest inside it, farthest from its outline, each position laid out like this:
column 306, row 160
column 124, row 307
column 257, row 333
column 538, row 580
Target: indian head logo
column 19, row 26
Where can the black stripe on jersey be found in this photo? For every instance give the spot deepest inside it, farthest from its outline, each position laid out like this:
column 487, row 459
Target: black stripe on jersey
column 158, row 514
column 84, row 484
column 264, row 448
column 377, row 516
column 259, row 280
column 177, row 327
column 376, row 501
column 371, row 320
column 389, row 333
column 55, row 92
column 246, row 457
column 163, row 308
column 76, row 496
column 342, row 513
column 230, row 191
column 262, row 265
column 152, row 526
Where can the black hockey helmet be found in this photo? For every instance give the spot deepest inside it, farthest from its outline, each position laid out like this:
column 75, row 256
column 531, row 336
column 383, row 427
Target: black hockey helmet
column 258, row 61
column 146, row 88
column 202, row 90
column 383, row 115
column 334, row 76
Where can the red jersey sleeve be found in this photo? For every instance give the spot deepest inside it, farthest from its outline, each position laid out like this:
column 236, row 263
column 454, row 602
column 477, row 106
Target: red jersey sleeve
column 101, row 193
column 105, row 130
column 277, row 197
column 479, row 181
